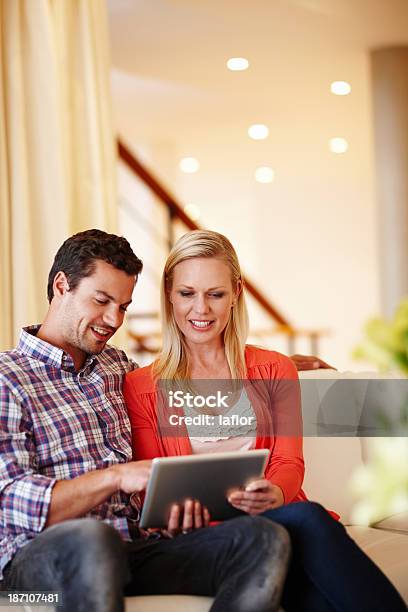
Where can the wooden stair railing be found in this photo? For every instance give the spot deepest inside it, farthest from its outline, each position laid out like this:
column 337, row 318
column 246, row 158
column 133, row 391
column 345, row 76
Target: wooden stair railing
column 177, row 212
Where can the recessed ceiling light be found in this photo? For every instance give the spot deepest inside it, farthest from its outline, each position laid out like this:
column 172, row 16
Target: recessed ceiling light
column 264, row 174
column 193, row 211
column 189, row 165
column 338, row 145
column 340, row 88
column 258, row 131
column 237, row 63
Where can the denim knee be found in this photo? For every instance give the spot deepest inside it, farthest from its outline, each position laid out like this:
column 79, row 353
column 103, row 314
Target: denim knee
column 266, row 530
column 308, row 510
column 259, row 532
column 85, row 541
column 309, row 516
column 83, row 558
column 96, row 563
column 87, row 532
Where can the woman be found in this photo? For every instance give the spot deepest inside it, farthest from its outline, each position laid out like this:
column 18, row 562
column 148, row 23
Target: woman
column 205, row 326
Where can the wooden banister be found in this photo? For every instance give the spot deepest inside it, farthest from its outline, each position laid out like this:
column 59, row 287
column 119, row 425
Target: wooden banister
column 147, row 177
column 177, row 211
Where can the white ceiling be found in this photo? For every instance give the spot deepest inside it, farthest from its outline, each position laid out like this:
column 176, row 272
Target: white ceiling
column 175, row 52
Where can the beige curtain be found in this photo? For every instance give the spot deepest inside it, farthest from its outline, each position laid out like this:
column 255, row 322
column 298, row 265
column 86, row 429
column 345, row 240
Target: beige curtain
column 57, row 151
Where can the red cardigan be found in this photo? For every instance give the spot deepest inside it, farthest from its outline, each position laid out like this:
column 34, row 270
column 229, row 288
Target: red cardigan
column 272, row 386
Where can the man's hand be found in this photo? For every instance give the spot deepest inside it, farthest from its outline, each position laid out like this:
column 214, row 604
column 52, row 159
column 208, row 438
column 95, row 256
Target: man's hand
column 309, row 362
column 195, row 516
column 132, row 477
column 75, row 497
column 259, row 496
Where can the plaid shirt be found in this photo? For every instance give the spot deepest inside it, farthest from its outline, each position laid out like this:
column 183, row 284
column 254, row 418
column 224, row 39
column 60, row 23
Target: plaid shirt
column 57, row 423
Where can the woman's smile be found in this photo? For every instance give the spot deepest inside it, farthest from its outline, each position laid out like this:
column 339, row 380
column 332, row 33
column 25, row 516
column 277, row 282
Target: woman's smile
column 200, row 325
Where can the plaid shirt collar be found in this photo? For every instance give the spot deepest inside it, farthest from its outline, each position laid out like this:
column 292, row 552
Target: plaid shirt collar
column 36, row 348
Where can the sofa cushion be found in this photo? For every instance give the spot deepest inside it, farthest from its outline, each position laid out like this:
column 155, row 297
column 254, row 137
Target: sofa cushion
column 329, row 464
column 396, row 522
column 168, row 603
column 389, row 550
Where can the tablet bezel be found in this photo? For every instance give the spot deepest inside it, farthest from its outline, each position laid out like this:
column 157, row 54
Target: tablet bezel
column 175, row 479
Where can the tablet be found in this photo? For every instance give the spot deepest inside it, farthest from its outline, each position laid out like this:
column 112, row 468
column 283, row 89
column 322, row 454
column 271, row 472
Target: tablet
column 207, row 478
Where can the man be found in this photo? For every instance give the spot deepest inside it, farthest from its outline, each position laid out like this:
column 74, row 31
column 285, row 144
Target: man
column 66, row 460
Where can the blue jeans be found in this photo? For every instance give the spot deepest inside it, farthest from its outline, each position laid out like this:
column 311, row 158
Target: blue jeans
column 242, row 563
column 328, row 571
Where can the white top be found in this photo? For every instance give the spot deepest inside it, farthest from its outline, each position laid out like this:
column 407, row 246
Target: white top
column 215, row 445
column 229, row 435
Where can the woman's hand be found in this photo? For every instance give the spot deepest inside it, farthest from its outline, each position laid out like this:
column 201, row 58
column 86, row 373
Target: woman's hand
column 259, row 496
column 195, row 516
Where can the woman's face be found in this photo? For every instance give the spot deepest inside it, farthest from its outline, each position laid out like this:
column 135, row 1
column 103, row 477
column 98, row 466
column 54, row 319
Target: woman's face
column 202, row 296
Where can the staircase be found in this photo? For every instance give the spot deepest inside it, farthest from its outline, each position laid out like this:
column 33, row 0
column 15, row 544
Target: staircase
column 144, row 327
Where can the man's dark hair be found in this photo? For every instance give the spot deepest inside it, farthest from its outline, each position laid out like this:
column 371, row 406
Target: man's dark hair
column 78, row 255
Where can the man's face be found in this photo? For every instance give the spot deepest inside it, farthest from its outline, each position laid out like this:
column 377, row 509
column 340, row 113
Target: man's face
column 94, row 310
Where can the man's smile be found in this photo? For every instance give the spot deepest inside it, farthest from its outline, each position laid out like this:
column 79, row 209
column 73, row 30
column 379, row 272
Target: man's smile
column 101, row 333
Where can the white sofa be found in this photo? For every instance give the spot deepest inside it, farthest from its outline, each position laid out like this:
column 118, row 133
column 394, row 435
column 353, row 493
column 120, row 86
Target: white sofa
column 329, row 462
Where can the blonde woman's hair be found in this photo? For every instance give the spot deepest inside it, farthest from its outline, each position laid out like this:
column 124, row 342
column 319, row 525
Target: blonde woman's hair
column 173, row 361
